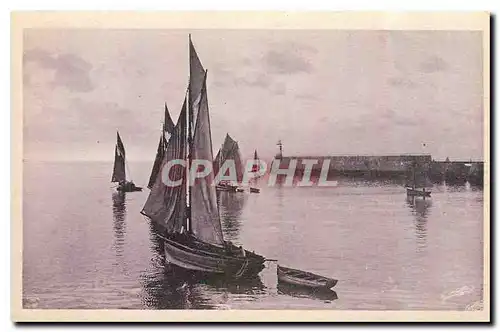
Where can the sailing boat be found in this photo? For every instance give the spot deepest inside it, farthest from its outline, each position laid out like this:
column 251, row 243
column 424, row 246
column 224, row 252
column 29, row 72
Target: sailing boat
column 229, row 151
column 119, row 174
column 418, row 182
column 186, row 215
column 166, row 132
column 255, row 168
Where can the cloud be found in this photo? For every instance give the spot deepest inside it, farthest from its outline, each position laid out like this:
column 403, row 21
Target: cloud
column 286, row 62
column 70, row 70
column 306, row 96
column 279, row 89
column 294, row 46
column 260, row 81
column 401, row 82
column 433, row 64
column 397, row 118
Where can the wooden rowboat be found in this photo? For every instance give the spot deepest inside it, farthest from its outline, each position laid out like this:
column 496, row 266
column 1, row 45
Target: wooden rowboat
column 304, row 279
column 418, row 192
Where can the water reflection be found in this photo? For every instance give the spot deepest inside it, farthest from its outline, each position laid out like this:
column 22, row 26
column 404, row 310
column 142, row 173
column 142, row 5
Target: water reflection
column 317, row 294
column 420, row 209
column 119, row 226
column 167, row 286
column 230, row 208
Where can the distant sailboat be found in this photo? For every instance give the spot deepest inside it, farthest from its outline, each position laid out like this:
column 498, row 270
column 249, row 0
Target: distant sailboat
column 418, row 181
column 167, row 130
column 255, row 168
column 187, row 216
column 229, row 151
column 119, row 174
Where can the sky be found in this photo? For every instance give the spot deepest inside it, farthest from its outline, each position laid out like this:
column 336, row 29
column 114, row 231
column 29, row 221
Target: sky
column 322, row 92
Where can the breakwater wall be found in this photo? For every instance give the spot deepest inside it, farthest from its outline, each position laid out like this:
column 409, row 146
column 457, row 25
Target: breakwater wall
column 389, row 166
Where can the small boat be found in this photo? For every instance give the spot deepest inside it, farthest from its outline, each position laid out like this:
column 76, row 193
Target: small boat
column 240, row 190
column 255, row 169
column 229, row 151
column 420, row 192
column 119, row 175
column 226, row 186
column 416, row 186
column 128, row 186
column 304, row 279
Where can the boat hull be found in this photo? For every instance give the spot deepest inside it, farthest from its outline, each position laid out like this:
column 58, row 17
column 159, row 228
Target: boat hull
column 227, row 188
column 128, row 187
column 210, row 262
column 324, row 294
column 304, row 279
column 418, row 192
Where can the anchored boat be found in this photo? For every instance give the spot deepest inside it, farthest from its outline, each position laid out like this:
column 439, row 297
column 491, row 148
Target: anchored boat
column 255, row 168
column 185, row 213
column 304, row 279
column 227, row 156
column 416, row 186
column 119, row 174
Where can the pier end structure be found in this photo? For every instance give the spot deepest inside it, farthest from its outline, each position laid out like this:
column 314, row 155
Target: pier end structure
column 366, row 166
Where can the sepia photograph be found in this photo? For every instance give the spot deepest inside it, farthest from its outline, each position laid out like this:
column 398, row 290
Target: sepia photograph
column 250, row 167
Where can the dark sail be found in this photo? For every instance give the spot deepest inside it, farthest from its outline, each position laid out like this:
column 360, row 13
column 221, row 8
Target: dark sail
column 196, row 78
column 158, row 160
column 119, row 166
column 417, row 175
column 205, row 221
column 168, row 124
column 256, row 165
column 229, row 151
column 166, row 205
column 168, row 128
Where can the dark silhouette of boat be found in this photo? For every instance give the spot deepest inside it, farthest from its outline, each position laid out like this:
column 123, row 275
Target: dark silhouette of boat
column 119, row 174
column 229, row 154
column 167, row 129
column 185, row 211
column 323, row 294
column 255, row 168
column 226, row 186
column 420, row 192
column 304, row 279
column 475, row 174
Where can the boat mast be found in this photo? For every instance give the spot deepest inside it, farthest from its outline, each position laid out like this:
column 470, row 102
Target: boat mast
column 189, row 145
column 414, row 175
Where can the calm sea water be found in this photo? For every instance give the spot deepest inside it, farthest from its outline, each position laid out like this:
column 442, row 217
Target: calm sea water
column 85, row 246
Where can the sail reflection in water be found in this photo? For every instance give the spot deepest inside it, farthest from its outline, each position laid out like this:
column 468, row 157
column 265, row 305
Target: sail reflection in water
column 165, row 288
column 420, row 209
column 119, row 226
column 230, row 209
